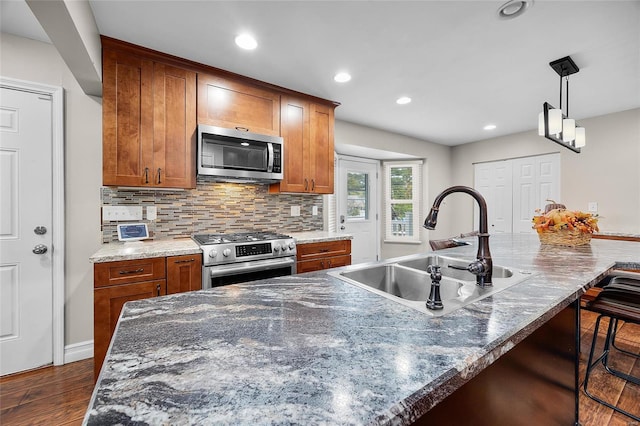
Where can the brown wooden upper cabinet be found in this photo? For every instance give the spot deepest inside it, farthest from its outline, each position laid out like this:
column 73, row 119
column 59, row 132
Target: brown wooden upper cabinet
column 149, row 122
column 233, row 104
column 307, row 129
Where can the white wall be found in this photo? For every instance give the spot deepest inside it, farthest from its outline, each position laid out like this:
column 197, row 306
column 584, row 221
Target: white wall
column 35, row 61
column 606, row 171
column 436, row 177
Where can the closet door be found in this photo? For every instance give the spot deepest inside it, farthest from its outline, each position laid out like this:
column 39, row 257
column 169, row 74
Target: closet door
column 535, row 180
column 493, row 181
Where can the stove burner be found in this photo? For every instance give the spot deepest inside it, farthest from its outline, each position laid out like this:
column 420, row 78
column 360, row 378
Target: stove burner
column 211, row 239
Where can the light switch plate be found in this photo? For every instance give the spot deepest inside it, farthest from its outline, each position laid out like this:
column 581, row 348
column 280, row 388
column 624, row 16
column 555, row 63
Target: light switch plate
column 295, row 210
column 314, row 210
column 119, row 213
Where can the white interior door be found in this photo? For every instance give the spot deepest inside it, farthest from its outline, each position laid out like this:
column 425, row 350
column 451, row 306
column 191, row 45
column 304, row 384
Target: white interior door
column 357, row 206
column 493, row 180
column 535, row 179
column 26, row 292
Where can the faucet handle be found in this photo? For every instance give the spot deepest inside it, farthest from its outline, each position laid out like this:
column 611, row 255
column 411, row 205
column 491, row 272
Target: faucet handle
column 434, row 270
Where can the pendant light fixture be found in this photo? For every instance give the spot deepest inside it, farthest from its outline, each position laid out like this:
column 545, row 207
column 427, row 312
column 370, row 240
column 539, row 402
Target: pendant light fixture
column 553, row 123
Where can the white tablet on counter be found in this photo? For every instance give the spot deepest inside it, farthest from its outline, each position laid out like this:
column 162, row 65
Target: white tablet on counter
column 132, row 231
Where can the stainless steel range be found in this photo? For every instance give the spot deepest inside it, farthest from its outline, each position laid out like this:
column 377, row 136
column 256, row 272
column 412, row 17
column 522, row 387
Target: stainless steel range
column 245, row 256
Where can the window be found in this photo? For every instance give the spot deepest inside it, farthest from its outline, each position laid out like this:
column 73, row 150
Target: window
column 357, row 195
column 403, row 182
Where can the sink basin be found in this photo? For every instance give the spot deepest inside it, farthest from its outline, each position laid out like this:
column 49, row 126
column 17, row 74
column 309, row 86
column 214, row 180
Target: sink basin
column 407, row 282
column 402, row 282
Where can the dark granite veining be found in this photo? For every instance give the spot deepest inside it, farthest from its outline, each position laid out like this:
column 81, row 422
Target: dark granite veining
column 312, row 349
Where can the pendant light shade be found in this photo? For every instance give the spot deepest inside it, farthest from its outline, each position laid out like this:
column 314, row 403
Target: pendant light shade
column 555, row 121
column 581, row 137
column 568, row 130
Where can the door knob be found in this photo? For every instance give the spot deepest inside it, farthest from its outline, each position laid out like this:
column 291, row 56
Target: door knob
column 40, row 249
column 40, row 230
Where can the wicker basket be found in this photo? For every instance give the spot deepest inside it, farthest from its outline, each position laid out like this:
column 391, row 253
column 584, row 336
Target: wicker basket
column 564, row 237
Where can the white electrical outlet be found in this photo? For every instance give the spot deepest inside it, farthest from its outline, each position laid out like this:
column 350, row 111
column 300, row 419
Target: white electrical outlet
column 295, row 210
column 592, row 207
column 152, row 212
column 314, row 210
column 120, row 213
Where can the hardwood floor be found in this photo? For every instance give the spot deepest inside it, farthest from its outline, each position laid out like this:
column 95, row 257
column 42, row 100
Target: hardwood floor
column 60, row 395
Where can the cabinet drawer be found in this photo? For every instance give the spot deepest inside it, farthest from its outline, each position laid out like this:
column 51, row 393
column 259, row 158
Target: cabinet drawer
column 320, row 264
column 128, row 271
column 326, row 249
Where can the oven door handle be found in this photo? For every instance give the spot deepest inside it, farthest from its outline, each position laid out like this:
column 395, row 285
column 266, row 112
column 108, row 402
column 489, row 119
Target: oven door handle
column 256, row 265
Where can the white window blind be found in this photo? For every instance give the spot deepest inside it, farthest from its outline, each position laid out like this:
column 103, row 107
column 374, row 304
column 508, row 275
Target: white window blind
column 403, row 186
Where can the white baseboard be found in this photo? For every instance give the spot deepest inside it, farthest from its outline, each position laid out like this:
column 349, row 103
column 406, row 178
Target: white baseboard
column 78, row 351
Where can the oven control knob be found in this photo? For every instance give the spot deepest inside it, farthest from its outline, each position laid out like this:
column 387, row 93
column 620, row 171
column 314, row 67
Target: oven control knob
column 292, row 245
column 213, row 253
column 283, row 247
column 276, row 248
column 226, row 252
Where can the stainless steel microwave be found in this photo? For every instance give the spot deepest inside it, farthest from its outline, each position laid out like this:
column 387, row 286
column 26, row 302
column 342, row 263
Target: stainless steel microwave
column 231, row 155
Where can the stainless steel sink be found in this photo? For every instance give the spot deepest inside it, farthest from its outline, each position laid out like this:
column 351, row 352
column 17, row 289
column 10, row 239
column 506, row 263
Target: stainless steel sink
column 407, row 282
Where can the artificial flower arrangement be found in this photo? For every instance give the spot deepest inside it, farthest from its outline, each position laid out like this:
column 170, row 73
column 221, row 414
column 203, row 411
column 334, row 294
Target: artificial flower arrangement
column 559, row 226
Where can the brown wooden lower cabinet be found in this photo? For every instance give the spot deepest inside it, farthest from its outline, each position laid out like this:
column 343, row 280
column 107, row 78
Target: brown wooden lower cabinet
column 323, row 255
column 116, row 283
column 184, row 273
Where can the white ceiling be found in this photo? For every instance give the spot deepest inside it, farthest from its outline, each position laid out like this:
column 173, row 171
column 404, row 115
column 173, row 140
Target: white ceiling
column 462, row 66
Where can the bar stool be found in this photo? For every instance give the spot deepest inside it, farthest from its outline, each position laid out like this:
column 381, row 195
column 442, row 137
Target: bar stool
column 618, row 300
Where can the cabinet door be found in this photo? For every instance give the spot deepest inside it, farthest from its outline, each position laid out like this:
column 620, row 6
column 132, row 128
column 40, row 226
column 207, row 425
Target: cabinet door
column 321, row 149
column 127, row 119
column 107, row 305
column 174, row 141
column 232, row 104
column 295, row 132
column 184, row 273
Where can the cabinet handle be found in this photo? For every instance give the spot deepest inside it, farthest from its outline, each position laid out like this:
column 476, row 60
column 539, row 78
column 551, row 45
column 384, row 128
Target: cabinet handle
column 146, row 175
column 323, row 251
column 322, row 264
column 242, row 129
column 185, row 261
column 158, row 289
column 329, row 263
column 306, row 184
column 131, row 272
column 159, row 171
column 313, row 184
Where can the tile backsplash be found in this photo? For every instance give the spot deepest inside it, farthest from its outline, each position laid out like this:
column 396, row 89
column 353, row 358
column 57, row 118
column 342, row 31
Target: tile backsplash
column 215, row 207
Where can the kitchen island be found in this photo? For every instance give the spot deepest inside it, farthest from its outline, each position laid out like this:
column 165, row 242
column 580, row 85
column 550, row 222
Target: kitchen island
column 313, row 349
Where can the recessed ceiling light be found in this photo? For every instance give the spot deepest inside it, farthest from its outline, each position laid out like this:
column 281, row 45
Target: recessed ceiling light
column 403, row 100
column 342, row 77
column 247, row 42
column 514, row 8
column 489, row 127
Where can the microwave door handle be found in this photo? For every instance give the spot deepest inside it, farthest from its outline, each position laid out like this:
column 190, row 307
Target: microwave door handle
column 269, row 157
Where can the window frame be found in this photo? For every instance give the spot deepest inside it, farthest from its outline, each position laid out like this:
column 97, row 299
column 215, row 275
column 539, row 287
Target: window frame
column 416, row 197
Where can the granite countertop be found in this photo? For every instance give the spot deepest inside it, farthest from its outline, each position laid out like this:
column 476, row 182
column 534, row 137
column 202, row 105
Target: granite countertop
column 175, row 247
column 145, row 249
column 312, row 349
column 318, row 236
